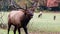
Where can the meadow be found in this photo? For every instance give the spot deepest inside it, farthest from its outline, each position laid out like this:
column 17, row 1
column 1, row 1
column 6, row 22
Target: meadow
column 45, row 23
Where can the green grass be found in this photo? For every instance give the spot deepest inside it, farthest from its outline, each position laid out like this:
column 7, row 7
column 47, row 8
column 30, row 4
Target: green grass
column 44, row 23
column 4, row 31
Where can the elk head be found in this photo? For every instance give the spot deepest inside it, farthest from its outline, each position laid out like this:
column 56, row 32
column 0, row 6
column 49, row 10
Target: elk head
column 30, row 10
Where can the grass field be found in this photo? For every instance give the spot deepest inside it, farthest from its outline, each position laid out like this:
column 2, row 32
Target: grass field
column 43, row 24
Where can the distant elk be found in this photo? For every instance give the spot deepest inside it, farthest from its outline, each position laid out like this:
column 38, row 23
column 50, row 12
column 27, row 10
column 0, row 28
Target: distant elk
column 54, row 17
column 40, row 14
column 20, row 18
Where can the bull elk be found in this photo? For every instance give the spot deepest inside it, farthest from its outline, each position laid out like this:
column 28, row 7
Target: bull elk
column 20, row 18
